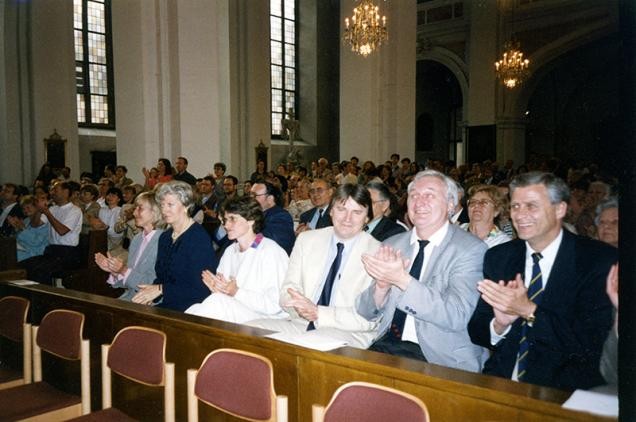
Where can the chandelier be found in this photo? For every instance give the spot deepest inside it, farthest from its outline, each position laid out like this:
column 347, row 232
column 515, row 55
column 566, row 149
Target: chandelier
column 512, row 68
column 366, row 31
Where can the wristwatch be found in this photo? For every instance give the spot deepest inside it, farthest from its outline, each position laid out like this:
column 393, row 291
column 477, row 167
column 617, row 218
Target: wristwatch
column 530, row 319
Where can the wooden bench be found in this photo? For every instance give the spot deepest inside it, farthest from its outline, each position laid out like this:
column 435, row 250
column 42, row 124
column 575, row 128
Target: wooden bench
column 305, row 376
column 8, row 253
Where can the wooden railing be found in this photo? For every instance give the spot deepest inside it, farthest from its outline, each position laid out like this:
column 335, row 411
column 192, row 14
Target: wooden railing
column 305, row 376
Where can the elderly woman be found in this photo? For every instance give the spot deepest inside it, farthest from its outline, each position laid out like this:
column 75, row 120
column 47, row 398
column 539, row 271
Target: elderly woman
column 606, row 221
column 485, row 203
column 142, row 252
column 382, row 226
column 32, row 233
column 184, row 252
column 245, row 286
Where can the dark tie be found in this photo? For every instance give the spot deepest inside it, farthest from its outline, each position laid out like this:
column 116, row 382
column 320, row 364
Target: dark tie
column 399, row 317
column 325, row 296
column 535, row 288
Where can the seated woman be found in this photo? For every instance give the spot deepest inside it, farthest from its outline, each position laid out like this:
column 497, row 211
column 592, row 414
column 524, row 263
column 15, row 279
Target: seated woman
column 246, row 285
column 108, row 217
column 89, row 206
column 142, row 253
column 32, row 233
column 485, row 203
column 183, row 253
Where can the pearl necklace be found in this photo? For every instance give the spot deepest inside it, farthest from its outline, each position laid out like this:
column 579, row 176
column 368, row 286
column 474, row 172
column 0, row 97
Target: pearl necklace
column 187, row 225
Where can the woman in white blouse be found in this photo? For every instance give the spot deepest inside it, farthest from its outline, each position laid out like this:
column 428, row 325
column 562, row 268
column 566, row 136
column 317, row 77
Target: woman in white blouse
column 246, row 285
column 108, row 217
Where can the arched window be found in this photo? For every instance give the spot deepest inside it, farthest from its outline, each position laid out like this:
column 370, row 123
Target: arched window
column 283, row 61
column 94, row 64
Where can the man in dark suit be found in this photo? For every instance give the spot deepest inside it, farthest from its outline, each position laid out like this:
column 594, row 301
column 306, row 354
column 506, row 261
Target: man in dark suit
column 279, row 225
column 382, row 227
column 543, row 310
column 11, row 195
column 320, row 193
column 182, row 174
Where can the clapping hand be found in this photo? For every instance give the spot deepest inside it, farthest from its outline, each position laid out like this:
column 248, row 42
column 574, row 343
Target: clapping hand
column 217, row 283
column 303, row 306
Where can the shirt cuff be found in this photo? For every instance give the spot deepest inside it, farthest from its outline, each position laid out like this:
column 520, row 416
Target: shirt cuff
column 494, row 337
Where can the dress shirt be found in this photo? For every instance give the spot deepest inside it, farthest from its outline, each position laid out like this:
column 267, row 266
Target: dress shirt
column 409, row 333
column 317, row 216
column 547, row 261
column 70, row 216
column 5, row 212
column 333, row 250
column 372, row 225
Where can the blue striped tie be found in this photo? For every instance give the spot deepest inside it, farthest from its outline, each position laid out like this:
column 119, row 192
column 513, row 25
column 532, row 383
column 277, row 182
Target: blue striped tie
column 535, row 288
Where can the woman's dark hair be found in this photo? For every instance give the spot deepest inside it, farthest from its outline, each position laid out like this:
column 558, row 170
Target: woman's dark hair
column 246, row 207
column 385, row 194
column 117, row 192
column 167, row 164
column 358, row 193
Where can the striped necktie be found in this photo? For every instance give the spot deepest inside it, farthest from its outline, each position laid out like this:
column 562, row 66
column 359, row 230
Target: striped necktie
column 535, row 288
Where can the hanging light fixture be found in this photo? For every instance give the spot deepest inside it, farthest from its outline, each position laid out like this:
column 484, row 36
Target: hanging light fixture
column 512, row 68
column 366, row 30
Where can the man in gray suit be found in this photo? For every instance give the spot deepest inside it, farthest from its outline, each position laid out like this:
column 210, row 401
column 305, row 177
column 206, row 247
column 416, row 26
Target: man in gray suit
column 424, row 288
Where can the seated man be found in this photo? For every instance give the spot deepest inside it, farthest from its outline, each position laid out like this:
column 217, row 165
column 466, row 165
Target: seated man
column 10, row 207
column 325, row 274
column 65, row 225
column 424, row 290
column 543, row 309
column 279, row 225
column 318, row 217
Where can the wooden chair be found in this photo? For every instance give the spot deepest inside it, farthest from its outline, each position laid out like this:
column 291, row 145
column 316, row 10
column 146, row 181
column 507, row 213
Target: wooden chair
column 14, row 327
column 59, row 334
column 139, row 354
column 364, row 402
column 238, row 383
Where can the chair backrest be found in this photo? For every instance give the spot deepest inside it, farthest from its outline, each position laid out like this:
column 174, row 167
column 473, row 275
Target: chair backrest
column 13, row 314
column 60, row 333
column 139, row 353
column 238, row 383
column 361, row 401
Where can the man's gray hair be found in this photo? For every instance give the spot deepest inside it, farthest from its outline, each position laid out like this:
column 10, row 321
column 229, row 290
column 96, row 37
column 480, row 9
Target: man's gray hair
column 451, row 186
column 182, row 190
column 607, row 204
column 558, row 191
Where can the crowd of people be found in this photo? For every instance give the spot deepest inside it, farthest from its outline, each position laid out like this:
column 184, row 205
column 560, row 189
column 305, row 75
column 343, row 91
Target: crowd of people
column 485, row 268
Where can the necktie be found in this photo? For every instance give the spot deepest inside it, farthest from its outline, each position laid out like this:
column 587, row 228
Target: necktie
column 325, row 296
column 399, row 317
column 535, row 288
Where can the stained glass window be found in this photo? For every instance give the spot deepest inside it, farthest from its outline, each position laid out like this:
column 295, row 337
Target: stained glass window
column 93, row 64
column 283, row 61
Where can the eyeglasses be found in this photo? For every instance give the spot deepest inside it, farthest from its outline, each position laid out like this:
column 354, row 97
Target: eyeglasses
column 254, row 195
column 319, row 191
column 379, row 200
column 480, row 203
column 230, row 219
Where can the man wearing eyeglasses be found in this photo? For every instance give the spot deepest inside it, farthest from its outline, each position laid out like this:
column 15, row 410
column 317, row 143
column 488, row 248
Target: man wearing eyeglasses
column 318, row 217
column 279, row 225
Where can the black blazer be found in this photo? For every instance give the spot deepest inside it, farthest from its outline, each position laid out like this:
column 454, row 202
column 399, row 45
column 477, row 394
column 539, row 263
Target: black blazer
column 572, row 319
column 323, row 221
column 386, row 228
column 7, row 229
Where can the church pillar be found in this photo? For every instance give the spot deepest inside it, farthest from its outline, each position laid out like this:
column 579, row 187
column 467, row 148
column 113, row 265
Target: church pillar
column 511, row 140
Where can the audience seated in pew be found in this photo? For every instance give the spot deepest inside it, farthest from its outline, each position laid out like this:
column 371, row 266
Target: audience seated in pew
column 142, row 255
column 326, row 274
column 107, row 218
column 65, row 225
column 183, row 253
column 246, row 285
column 32, row 232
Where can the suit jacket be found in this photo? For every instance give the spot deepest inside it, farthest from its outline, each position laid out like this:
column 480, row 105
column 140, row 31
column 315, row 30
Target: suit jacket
column 572, row 319
column 386, row 228
column 144, row 271
column 306, row 274
column 179, row 266
column 279, row 227
column 323, row 221
column 7, row 229
column 441, row 301
column 185, row 177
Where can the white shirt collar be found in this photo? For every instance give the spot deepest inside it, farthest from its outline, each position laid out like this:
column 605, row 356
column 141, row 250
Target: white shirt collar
column 435, row 239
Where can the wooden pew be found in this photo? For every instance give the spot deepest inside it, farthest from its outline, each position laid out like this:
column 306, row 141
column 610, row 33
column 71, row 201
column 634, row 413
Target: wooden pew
column 305, row 376
column 8, row 254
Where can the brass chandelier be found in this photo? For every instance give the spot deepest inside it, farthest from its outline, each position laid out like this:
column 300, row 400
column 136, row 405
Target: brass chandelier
column 366, row 31
column 512, row 68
